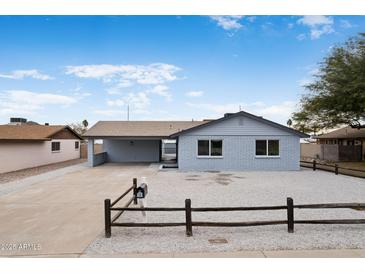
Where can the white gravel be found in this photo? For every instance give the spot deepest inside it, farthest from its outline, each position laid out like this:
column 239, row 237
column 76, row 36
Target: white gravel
column 171, row 188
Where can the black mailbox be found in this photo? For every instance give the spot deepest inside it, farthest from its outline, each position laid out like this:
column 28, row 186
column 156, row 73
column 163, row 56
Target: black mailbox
column 142, row 191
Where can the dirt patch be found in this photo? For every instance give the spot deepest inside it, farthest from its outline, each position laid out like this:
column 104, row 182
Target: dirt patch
column 21, row 174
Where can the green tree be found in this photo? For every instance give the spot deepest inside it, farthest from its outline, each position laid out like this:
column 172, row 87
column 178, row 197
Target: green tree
column 337, row 95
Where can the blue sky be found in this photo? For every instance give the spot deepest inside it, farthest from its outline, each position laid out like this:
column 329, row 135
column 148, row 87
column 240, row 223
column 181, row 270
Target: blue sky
column 63, row 69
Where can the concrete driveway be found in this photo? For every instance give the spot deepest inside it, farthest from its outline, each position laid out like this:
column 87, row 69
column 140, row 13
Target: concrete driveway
column 61, row 215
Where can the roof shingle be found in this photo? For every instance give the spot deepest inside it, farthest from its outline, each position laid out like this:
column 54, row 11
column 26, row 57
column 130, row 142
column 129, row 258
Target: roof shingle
column 29, row 132
column 343, row 133
column 139, row 128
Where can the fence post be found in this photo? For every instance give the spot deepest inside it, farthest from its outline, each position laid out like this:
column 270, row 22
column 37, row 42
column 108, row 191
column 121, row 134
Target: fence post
column 189, row 227
column 290, row 213
column 336, row 169
column 314, row 164
column 135, row 200
column 108, row 220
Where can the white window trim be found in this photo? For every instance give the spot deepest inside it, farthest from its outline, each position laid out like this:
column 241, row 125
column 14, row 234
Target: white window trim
column 208, row 156
column 267, row 149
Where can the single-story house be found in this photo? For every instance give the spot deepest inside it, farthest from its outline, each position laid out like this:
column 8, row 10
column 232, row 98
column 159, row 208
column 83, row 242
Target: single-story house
column 237, row 141
column 344, row 144
column 25, row 145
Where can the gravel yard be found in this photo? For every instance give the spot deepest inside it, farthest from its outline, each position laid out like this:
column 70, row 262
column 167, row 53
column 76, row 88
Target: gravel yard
column 171, row 188
column 24, row 173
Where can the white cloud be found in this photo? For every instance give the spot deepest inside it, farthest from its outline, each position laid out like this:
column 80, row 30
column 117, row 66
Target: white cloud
column 194, row 93
column 137, row 100
column 276, row 112
column 115, row 103
column 21, row 74
column 81, row 95
column 126, row 75
column 110, row 112
column 228, row 22
column 317, row 24
column 162, row 91
column 345, row 24
column 21, row 102
column 301, row 36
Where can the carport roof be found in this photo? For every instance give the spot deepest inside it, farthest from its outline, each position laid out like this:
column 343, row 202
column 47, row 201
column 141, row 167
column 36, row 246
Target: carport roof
column 144, row 129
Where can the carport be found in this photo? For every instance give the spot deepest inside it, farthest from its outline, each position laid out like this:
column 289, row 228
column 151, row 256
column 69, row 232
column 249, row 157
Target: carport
column 132, row 141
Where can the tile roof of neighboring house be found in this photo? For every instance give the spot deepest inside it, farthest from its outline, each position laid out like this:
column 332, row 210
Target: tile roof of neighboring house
column 27, row 132
column 139, row 128
column 343, row 133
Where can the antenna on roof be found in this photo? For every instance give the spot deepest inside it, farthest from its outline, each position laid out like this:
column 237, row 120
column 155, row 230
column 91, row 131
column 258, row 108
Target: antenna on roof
column 128, row 112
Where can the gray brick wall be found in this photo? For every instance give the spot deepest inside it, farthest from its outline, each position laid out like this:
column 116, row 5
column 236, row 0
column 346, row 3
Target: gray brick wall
column 239, row 147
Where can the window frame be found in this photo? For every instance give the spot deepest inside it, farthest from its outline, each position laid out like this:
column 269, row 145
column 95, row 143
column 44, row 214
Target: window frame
column 78, row 145
column 210, row 156
column 267, row 149
column 59, row 146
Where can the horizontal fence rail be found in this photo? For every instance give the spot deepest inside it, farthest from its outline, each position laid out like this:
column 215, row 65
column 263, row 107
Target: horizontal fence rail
column 190, row 223
column 334, row 168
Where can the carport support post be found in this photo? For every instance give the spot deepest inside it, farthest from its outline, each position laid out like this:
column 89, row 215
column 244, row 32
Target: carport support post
column 108, row 220
column 290, row 212
column 314, row 164
column 135, row 200
column 336, row 169
column 189, row 225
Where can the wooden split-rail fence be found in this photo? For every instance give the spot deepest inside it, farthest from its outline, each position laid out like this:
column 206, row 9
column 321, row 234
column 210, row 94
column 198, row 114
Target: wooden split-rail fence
column 189, row 223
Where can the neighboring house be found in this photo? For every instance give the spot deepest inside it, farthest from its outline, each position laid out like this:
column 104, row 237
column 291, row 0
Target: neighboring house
column 239, row 141
column 25, row 145
column 344, row 144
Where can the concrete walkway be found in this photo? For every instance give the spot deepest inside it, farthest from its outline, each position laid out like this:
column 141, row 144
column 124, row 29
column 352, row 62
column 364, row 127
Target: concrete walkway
column 59, row 213
column 341, row 253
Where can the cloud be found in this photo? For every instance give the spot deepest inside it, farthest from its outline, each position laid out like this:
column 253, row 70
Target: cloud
column 110, row 112
column 228, row 22
column 317, row 24
column 276, row 112
column 194, row 93
column 345, row 24
column 115, row 103
column 162, row 91
column 301, row 36
column 137, row 100
column 127, row 75
column 21, row 74
column 21, row 102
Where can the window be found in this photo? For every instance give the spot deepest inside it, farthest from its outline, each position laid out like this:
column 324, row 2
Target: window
column 260, row 147
column 76, row 145
column 210, row 148
column 203, row 147
column 268, row 148
column 216, row 148
column 273, row 147
column 56, row 146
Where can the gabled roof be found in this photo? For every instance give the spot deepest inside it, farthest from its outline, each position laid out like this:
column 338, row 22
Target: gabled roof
column 248, row 115
column 25, row 132
column 144, row 129
column 343, row 133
